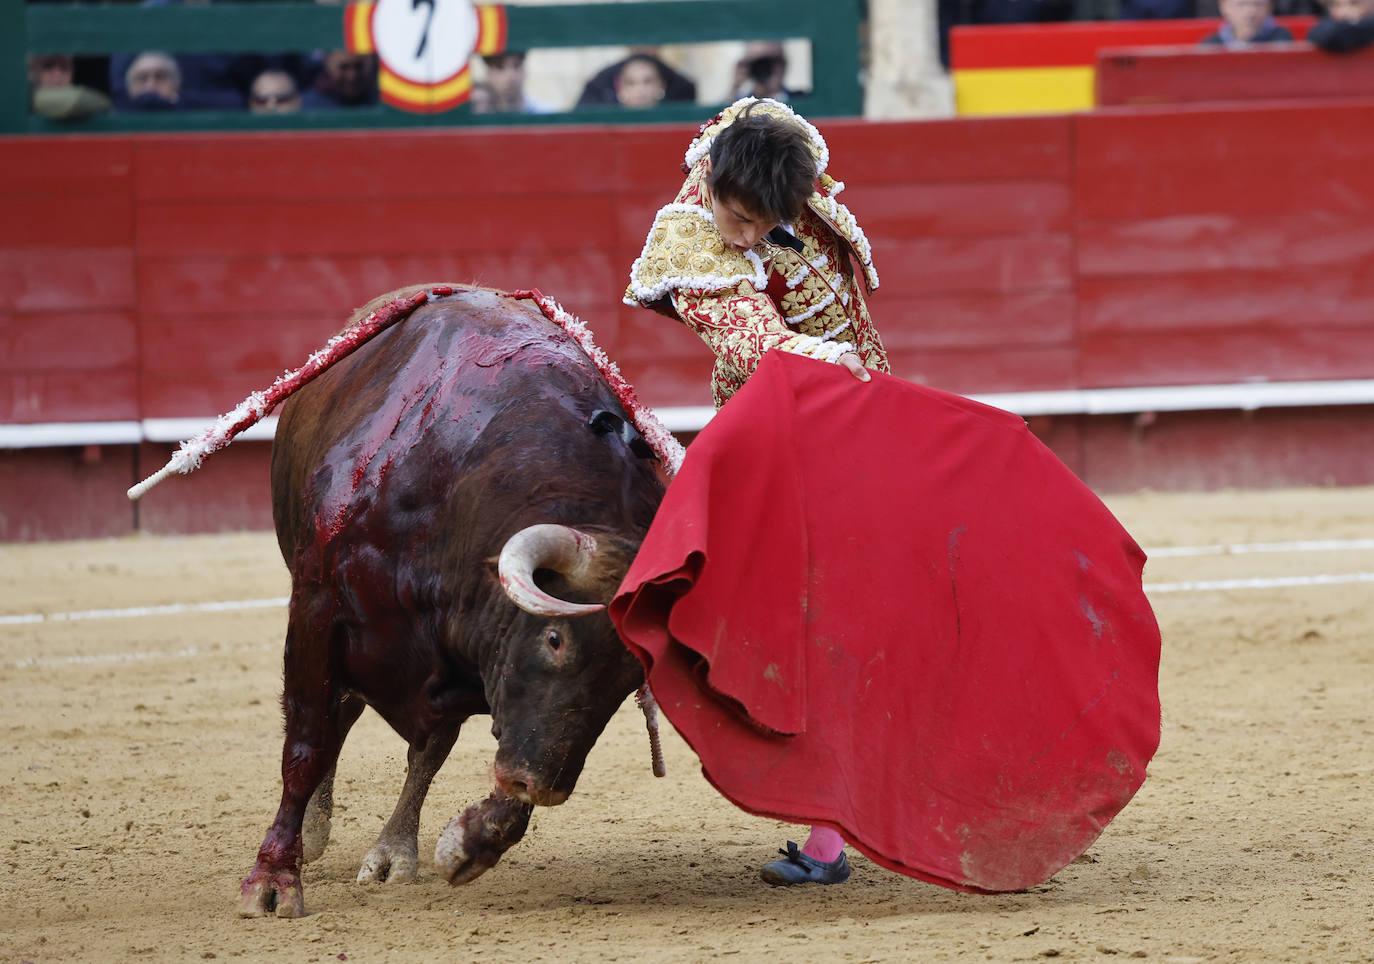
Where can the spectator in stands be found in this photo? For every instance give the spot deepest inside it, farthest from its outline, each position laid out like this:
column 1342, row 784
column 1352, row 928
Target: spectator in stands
column 1208, row 9
column 346, row 80
column 274, row 92
column 760, row 72
column 210, row 81
column 641, row 82
column 480, row 99
column 1246, row 22
column 152, row 82
column 506, row 81
column 1348, row 25
column 51, row 70
column 54, row 93
column 601, row 89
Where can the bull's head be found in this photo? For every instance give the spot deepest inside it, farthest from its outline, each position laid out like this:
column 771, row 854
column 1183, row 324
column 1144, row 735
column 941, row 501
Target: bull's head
column 564, row 673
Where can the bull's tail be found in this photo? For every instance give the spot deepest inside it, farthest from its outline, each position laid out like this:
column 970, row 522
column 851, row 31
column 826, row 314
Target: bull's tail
column 252, row 409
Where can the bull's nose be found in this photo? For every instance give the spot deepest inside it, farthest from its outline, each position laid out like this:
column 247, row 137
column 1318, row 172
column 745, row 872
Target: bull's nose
column 524, row 788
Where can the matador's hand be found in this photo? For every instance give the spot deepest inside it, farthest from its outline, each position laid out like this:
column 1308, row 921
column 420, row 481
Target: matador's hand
column 856, row 368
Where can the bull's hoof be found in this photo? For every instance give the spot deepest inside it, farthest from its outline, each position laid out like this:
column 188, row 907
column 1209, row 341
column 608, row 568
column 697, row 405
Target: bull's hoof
column 474, row 841
column 264, row 894
column 453, row 861
column 390, row 862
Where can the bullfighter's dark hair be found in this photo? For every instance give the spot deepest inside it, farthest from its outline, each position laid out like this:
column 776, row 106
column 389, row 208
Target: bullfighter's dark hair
column 763, row 163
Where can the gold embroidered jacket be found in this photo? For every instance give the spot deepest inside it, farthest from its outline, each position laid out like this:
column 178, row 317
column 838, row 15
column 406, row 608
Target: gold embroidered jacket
column 743, row 304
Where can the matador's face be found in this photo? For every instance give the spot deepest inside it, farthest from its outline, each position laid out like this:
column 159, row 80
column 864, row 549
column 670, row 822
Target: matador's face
column 740, row 225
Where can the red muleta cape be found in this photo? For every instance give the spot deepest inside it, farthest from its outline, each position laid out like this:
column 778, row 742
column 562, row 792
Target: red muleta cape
column 892, row 611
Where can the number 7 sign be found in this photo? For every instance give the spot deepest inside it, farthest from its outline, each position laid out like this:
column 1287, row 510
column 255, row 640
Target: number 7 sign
column 423, row 47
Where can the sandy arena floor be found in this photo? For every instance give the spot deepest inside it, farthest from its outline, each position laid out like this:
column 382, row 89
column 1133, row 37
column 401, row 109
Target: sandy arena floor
column 139, row 771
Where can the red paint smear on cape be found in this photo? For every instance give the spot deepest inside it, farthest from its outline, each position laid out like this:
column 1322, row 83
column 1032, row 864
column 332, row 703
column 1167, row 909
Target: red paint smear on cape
column 892, row 611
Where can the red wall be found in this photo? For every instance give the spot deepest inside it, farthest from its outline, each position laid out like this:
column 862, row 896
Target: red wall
column 1190, row 75
column 166, row 276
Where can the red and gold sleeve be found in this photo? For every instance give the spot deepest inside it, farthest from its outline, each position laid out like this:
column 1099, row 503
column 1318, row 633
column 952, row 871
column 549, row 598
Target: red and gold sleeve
column 739, row 325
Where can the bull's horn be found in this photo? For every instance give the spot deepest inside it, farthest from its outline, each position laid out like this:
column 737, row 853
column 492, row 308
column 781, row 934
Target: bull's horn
column 560, row 548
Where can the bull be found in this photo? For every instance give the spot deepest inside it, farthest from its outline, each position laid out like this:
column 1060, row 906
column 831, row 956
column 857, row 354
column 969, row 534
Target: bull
column 456, row 502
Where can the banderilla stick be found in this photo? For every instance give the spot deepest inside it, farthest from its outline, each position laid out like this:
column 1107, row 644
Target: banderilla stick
column 252, row 409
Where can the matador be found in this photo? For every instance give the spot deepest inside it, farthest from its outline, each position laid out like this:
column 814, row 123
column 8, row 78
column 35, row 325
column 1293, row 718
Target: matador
column 748, row 280
column 756, row 254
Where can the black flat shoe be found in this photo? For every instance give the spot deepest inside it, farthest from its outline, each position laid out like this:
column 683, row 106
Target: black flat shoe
column 797, row 868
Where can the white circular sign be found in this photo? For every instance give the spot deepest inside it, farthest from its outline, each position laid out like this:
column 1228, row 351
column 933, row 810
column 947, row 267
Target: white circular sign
column 425, row 41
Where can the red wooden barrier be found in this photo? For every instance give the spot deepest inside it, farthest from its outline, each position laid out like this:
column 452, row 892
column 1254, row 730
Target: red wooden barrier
column 1219, row 246
column 1188, row 75
column 972, row 229
column 166, row 276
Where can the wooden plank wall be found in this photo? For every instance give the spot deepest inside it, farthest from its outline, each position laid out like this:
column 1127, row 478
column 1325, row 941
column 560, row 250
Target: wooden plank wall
column 1225, row 246
column 68, row 298
column 167, row 276
column 1190, row 75
column 972, row 228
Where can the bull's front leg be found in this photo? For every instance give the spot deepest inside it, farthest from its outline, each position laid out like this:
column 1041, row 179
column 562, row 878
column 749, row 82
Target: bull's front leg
column 474, row 840
column 395, row 857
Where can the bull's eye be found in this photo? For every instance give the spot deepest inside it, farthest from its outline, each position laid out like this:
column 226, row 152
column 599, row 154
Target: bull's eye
column 553, row 639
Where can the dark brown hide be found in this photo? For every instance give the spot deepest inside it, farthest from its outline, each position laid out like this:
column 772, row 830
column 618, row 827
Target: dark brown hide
column 397, row 477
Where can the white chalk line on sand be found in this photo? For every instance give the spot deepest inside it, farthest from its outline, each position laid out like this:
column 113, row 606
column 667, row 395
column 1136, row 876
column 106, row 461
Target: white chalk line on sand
column 1272, row 582
column 98, row 658
column 1246, row 548
column 133, row 612
column 1214, row 585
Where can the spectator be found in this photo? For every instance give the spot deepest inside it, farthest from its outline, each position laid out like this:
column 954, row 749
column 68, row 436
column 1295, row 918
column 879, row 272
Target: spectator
column 1348, row 25
column 152, row 82
column 760, row 72
column 506, row 82
column 346, row 80
column 480, row 99
column 51, row 70
column 1349, row 11
column 640, row 82
column 274, row 92
column 1246, row 22
column 601, row 89
column 54, row 94
column 208, row 81
column 1208, row 9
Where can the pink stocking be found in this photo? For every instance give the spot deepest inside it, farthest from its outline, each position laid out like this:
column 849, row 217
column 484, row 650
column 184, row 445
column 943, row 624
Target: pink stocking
column 824, row 844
